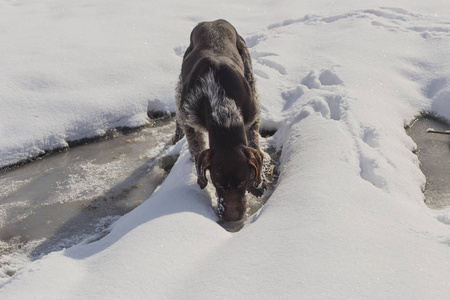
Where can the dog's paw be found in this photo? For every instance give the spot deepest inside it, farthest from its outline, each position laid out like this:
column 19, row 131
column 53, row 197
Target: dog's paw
column 257, row 191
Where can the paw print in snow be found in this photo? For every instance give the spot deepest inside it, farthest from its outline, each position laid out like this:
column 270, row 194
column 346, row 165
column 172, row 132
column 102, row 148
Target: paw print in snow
column 326, row 77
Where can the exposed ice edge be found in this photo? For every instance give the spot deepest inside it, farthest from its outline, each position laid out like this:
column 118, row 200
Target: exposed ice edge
column 32, row 152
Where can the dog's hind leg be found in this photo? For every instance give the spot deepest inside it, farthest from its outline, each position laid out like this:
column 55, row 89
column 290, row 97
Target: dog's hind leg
column 253, row 134
column 248, row 67
column 253, row 130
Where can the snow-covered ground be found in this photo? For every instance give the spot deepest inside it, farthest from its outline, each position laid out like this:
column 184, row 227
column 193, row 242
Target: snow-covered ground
column 338, row 80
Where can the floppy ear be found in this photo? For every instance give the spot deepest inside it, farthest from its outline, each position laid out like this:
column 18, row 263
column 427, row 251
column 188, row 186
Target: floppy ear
column 255, row 159
column 202, row 163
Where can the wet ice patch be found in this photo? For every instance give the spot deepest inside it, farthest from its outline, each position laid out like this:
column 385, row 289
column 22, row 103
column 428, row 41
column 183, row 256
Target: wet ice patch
column 63, row 198
column 434, row 156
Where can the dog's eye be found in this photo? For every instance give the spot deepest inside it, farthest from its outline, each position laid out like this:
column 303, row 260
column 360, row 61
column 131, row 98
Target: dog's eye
column 219, row 186
column 241, row 184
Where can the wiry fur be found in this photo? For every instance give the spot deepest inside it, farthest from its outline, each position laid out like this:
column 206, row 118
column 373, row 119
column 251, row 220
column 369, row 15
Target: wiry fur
column 224, row 110
column 216, row 94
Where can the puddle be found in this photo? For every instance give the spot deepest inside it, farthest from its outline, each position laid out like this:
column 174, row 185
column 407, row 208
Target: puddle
column 61, row 199
column 433, row 150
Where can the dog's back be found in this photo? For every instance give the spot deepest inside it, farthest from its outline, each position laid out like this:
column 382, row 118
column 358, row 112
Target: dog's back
column 215, row 77
column 213, row 44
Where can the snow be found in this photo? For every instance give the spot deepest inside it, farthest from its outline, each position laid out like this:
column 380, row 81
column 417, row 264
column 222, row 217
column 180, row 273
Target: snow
column 338, row 80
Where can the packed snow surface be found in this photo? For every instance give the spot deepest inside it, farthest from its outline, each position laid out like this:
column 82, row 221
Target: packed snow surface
column 338, row 80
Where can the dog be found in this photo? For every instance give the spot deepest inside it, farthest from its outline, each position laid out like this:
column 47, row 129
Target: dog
column 216, row 94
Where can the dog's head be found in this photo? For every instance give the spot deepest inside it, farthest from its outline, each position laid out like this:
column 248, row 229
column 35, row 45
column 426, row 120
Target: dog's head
column 233, row 172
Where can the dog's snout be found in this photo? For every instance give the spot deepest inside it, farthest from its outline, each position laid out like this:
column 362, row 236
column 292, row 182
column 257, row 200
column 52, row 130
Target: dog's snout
column 234, row 208
column 233, row 214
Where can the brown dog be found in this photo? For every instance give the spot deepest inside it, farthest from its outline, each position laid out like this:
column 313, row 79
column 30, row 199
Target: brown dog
column 216, row 94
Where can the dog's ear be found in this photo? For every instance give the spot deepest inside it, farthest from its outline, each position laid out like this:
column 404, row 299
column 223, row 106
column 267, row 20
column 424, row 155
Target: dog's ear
column 202, row 163
column 255, row 159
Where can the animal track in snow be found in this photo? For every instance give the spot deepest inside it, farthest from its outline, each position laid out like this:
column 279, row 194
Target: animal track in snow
column 261, row 74
column 256, row 55
column 311, row 81
column 390, row 18
column 330, row 105
column 290, row 21
column 368, row 171
column 260, row 58
column 334, row 104
column 370, row 137
column 391, row 27
column 328, row 101
column 254, row 39
column 400, row 11
column 385, row 13
column 430, row 29
column 291, row 95
column 273, row 65
column 320, row 106
column 326, row 77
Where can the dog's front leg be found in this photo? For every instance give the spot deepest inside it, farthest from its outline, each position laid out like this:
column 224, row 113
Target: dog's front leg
column 179, row 133
column 196, row 140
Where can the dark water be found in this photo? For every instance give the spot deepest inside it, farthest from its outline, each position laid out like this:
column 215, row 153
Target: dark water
column 433, row 151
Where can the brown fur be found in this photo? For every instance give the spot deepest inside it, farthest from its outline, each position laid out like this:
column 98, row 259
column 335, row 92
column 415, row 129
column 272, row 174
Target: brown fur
column 216, row 95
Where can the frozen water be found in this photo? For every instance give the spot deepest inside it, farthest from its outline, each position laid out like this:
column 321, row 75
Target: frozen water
column 433, row 151
column 62, row 198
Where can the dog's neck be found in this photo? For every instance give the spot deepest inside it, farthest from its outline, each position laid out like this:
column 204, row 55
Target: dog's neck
column 223, row 137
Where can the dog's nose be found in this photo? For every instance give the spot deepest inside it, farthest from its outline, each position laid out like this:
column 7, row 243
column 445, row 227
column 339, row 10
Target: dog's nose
column 232, row 215
column 228, row 186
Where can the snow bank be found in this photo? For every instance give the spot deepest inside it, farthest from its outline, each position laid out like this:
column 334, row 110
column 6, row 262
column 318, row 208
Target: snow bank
column 339, row 82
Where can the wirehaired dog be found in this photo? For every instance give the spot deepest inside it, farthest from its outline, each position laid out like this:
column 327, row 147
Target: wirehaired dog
column 216, row 94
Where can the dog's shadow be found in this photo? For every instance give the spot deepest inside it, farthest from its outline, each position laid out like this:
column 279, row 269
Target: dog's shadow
column 178, row 193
